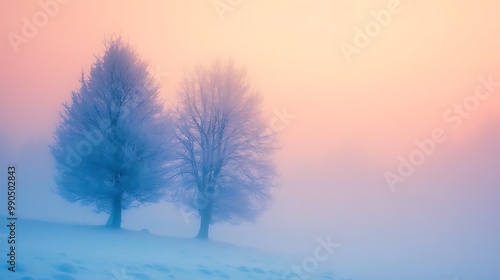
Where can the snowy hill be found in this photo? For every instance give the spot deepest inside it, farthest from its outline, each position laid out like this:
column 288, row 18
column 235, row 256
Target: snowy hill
column 65, row 252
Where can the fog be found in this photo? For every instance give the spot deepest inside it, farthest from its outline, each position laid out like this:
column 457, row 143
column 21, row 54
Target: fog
column 344, row 122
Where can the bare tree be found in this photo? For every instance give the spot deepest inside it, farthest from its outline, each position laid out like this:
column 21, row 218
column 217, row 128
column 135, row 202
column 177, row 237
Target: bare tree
column 113, row 146
column 225, row 148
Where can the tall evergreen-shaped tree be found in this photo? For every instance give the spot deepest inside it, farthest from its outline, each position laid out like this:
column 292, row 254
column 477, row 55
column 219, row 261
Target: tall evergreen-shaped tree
column 113, row 147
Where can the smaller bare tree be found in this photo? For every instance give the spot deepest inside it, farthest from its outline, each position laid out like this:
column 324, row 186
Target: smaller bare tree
column 225, row 149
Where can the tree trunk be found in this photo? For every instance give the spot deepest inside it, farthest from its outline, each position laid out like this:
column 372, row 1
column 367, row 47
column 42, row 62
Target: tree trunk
column 205, row 219
column 115, row 218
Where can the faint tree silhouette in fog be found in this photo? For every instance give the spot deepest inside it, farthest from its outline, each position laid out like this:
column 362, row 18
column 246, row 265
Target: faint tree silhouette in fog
column 225, row 148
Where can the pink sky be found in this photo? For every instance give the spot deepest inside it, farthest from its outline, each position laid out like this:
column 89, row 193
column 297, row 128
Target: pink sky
column 396, row 90
column 352, row 120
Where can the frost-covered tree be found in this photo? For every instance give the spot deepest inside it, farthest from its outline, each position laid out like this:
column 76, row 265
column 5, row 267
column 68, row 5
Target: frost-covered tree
column 113, row 147
column 225, row 147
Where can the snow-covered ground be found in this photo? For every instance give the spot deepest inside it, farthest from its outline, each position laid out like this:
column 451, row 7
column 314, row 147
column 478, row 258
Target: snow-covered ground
column 65, row 252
